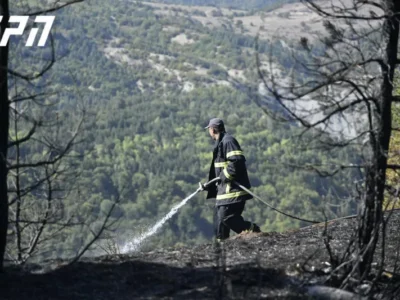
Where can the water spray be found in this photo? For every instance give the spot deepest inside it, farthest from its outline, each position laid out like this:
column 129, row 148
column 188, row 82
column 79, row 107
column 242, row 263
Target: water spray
column 137, row 242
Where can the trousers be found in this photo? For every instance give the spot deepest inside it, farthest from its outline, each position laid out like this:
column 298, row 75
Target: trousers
column 229, row 217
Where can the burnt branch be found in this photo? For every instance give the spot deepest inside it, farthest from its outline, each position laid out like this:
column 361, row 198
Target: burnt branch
column 340, row 12
column 56, row 7
column 45, row 69
column 24, row 139
column 96, row 235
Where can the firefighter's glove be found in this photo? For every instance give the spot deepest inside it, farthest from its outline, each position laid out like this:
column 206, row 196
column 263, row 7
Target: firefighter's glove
column 202, row 187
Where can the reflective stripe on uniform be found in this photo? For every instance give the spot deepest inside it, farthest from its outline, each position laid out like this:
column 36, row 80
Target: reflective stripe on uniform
column 227, row 174
column 231, row 195
column 232, row 153
column 228, row 188
column 221, row 164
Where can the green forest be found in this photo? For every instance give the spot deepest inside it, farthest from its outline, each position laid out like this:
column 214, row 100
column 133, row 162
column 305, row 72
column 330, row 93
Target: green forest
column 146, row 100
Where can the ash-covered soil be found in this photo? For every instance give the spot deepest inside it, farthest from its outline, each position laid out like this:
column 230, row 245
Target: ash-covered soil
column 248, row 266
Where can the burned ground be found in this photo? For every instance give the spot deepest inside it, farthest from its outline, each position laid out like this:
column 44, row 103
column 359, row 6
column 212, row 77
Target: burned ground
column 249, row 266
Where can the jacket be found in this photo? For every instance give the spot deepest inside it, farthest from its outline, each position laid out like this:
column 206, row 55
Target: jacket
column 229, row 164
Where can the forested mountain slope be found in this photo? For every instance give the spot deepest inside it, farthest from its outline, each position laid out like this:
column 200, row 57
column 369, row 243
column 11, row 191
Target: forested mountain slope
column 149, row 82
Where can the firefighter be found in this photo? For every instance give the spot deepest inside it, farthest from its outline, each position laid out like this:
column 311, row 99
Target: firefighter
column 228, row 163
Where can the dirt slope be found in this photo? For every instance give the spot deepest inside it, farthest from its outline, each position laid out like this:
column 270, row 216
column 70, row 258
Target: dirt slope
column 250, row 266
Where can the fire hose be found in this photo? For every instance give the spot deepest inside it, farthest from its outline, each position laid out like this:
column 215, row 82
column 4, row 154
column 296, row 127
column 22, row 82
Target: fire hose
column 204, row 186
column 273, row 208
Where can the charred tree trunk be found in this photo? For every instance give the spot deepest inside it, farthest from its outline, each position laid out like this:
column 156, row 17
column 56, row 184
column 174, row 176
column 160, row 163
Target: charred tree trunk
column 376, row 174
column 4, row 126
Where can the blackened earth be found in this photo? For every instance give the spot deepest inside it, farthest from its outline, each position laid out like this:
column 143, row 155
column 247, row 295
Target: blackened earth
column 247, row 266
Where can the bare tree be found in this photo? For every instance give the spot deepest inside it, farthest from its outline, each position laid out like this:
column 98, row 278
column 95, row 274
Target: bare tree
column 39, row 185
column 349, row 80
column 48, row 171
column 4, row 125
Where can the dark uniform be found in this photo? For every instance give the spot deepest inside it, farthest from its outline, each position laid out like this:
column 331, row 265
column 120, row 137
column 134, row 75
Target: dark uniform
column 229, row 164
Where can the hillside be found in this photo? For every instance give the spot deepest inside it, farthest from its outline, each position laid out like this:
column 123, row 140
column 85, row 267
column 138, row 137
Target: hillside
column 149, row 77
column 248, row 5
column 289, row 265
column 285, row 22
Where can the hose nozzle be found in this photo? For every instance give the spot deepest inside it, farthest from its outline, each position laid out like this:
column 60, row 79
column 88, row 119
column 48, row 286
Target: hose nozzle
column 202, row 187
